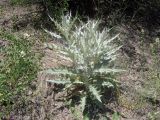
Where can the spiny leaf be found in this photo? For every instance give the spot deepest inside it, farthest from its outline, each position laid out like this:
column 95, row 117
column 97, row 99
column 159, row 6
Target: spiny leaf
column 67, row 86
column 113, row 51
column 59, row 81
column 59, row 72
column 107, row 70
column 108, row 84
column 95, row 92
column 65, row 25
column 110, row 40
column 83, row 103
column 53, row 34
column 78, row 82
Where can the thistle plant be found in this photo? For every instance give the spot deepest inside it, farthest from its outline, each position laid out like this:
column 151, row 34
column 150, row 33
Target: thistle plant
column 90, row 51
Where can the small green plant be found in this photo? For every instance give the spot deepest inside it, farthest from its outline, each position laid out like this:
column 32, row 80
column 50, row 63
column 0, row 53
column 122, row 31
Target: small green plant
column 17, row 69
column 91, row 53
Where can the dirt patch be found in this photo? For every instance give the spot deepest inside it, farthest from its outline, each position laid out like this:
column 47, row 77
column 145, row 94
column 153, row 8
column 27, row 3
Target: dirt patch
column 19, row 17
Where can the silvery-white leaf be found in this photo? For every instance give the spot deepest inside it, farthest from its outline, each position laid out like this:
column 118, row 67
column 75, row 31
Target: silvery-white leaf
column 108, row 70
column 108, row 84
column 78, row 82
column 53, row 34
column 83, row 102
column 110, row 40
column 59, row 81
column 59, row 72
column 95, row 92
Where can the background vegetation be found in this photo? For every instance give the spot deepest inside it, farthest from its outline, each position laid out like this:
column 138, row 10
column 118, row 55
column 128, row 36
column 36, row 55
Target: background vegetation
column 18, row 69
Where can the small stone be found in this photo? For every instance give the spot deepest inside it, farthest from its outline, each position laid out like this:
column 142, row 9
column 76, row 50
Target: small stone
column 26, row 35
column 30, row 93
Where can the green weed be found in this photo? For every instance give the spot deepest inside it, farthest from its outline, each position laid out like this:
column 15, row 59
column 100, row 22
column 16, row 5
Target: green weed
column 17, row 69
